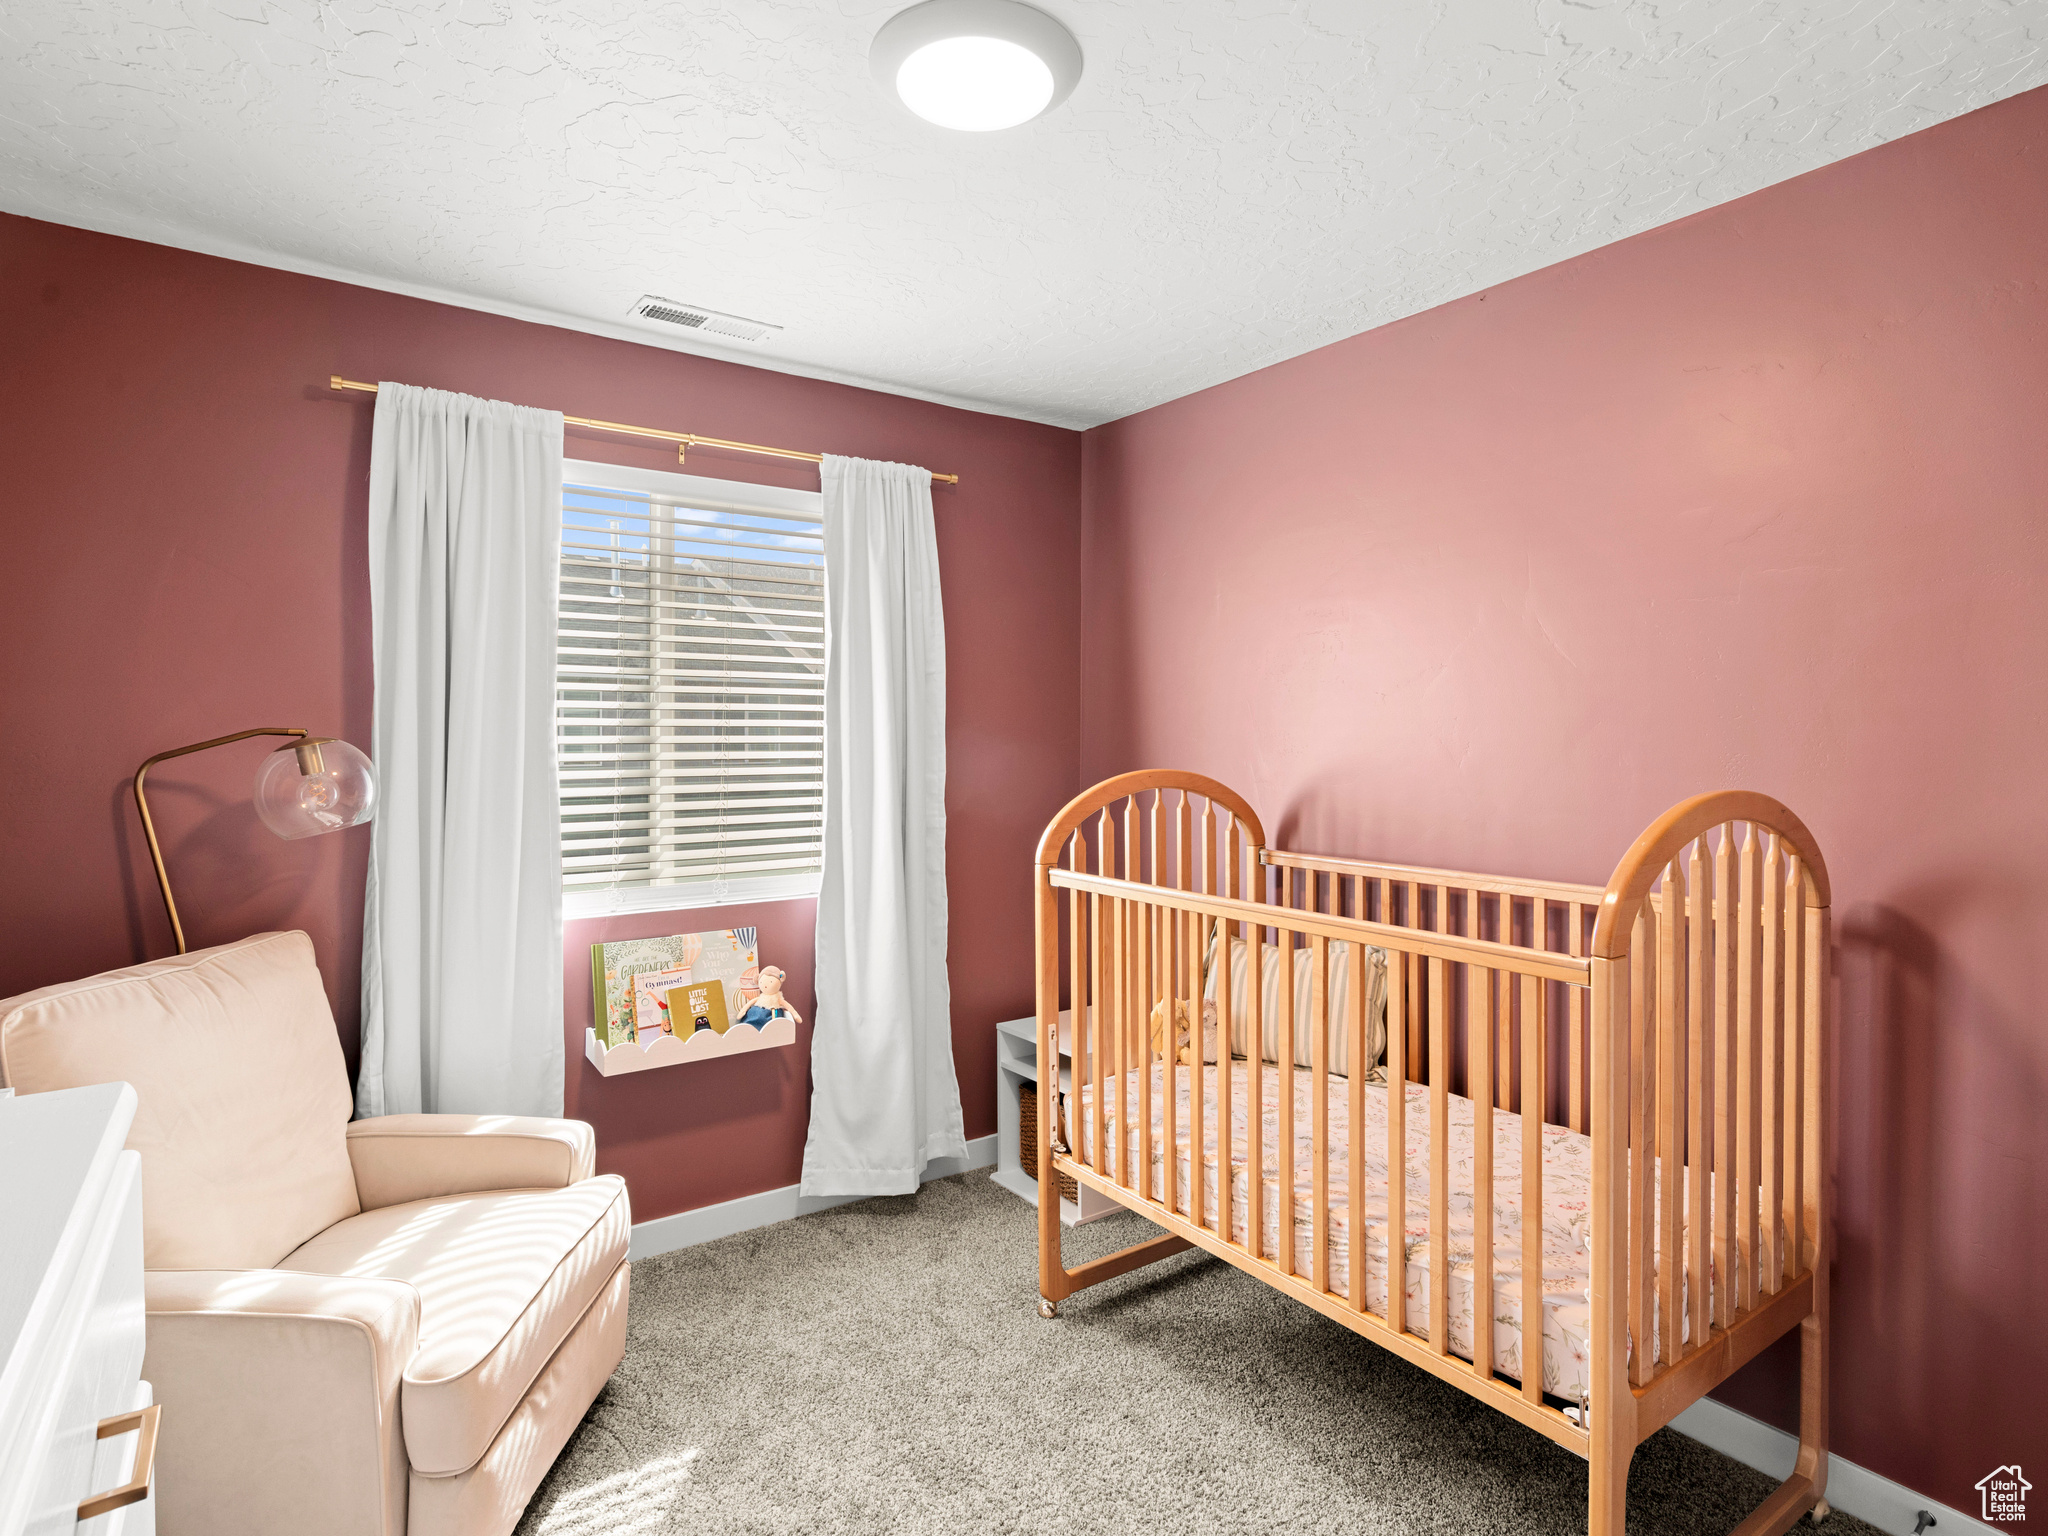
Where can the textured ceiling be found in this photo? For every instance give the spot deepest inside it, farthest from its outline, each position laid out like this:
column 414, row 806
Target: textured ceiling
column 1233, row 182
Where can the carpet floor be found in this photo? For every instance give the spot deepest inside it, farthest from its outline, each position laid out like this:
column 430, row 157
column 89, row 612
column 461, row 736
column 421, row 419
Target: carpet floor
column 882, row 1368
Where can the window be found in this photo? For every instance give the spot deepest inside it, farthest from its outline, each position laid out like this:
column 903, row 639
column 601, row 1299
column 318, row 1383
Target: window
column 690, row 690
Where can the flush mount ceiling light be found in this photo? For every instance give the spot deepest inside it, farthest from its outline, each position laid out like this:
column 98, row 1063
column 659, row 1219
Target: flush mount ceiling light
column 976, row 65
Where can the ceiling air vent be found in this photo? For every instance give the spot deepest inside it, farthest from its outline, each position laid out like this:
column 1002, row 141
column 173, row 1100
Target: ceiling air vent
column 705, row 322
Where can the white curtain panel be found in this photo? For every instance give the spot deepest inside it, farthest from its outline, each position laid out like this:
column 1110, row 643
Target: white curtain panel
column 884, row 1099
column 462, row 920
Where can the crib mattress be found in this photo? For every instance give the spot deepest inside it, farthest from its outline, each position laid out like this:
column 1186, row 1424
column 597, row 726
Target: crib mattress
column 1564, row 1209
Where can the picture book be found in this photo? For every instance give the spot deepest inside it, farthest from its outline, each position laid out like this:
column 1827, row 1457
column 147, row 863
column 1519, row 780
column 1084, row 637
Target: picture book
column 651, row 1015
column 699, row 1006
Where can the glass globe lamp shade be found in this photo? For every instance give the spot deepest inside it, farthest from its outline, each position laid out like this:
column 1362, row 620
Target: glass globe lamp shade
column 314, row 786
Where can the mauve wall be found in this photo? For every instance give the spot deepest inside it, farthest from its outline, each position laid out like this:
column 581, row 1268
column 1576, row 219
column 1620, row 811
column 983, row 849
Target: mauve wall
column 183, row 513
column 1754, row 500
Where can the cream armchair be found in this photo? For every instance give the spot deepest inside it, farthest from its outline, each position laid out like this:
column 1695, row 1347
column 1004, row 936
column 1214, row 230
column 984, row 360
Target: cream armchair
column 355, row 1329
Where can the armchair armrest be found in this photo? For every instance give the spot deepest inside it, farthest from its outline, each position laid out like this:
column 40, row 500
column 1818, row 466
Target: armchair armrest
column 280, row 1396
column 418, row 1157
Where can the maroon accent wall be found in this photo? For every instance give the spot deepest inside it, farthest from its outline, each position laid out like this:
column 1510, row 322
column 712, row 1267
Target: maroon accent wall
column 183, row 512
column 1757, row 500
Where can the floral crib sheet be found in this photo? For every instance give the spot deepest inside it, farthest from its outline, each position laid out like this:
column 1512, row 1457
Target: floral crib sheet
column 1566, row 1208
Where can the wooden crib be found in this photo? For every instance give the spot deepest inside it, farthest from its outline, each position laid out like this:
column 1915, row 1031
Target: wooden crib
column 1683, row 1012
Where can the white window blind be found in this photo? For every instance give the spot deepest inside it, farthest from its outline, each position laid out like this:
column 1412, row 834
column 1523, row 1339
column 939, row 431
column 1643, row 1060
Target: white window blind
column 690, row 690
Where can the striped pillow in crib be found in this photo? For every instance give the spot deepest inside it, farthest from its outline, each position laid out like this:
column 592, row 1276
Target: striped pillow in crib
column 1375, row 967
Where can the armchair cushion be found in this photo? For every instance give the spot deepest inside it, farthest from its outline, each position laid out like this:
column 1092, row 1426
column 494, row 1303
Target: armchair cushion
column 281, row 1394
column 502, row 1279
column 416, row 1157
column 242, row 1093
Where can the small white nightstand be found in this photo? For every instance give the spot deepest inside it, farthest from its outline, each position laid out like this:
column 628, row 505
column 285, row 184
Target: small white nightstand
column 1016, row 1064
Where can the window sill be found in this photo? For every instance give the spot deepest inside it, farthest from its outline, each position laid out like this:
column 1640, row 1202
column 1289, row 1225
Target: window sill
column 622, row 901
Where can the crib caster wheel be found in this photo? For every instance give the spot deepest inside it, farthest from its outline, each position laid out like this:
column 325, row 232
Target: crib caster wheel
column 1048, row 1308
column 1821, row 1510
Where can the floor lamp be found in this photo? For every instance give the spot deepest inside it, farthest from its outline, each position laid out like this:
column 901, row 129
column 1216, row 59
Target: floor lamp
column 312, row 785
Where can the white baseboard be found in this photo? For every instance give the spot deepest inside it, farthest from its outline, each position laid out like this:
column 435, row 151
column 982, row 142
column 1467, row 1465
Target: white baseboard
column 686, row 1229
column 1858, row 1491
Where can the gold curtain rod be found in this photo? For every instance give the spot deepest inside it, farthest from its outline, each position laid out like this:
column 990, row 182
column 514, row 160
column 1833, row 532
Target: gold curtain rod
column 684, row 441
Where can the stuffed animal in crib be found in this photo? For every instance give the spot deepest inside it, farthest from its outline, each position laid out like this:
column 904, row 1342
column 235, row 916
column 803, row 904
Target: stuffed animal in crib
column 771, row 1004
column 1183, row 1034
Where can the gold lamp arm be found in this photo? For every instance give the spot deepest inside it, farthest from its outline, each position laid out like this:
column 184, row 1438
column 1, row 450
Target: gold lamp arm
column 156, row 853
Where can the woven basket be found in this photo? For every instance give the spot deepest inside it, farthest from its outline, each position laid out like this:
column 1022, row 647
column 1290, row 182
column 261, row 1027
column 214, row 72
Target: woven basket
column 1027, row 1141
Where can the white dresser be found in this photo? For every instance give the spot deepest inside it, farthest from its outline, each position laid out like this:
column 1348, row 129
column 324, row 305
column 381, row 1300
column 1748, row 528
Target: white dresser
column 75, row 1419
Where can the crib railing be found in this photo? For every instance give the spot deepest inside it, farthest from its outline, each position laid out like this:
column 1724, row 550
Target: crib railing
column 1530, row 914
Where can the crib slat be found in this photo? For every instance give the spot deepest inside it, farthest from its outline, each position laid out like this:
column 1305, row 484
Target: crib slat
column 1439, row 1162
column 1111, row 1014
column 1132, row 1035
column 1226, row 1007
column 1354, row 1108
column 1138, row 1037
column 1116, row 1053
column 1770, row 1204
column 1205, row 969
column 1187, row 985
column 1504, row 1045
column 1481, row 1019
column 1533, row 992
column 1206, row 859
column 1077, row 995
column 1642, row 976
column 1795, row 992
column 1748, row 1066
column 1670, row 1153
column 1699, row 1086
column 1184, row 843
column 1397, row 1144
column 1088, row 1029
column 1255, row 1115
column 1539, row 938
column 1816, row 1042
column 1158, row 994
column 1578, row 1000
column 1151, row 998
column 1198, row 1078
column 1283, row 1149
column 1411, row 917
column 1217, row 1094
column 1319, row 1111
column 1727, row 1286
column 1097, row 1005
column 1120, row 1023
column 1128, row 1022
